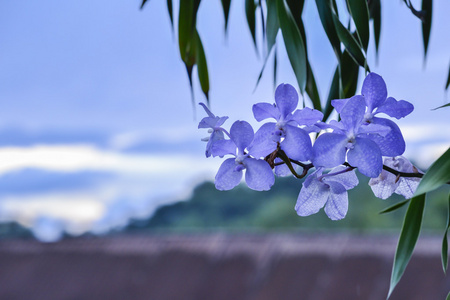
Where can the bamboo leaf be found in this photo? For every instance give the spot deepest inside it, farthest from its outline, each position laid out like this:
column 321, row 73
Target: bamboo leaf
column 273, row 25
column 437, row 175
column 332, row 94
column 226, row 11
column 170, row 10
column 448, row 80
column 349, row 75
column 444, row 252
column 360, row 15
column 427, row 9
column 394, row 207
column 296, row 7
column 375, row 14
column 311, row 89
column 250, row 9
column 202, row 67
column 442, row 106
column 275, row 66
column 295, row 45
column 408, row 238
column 351, row 45
column 325, row 14
column 143, row 3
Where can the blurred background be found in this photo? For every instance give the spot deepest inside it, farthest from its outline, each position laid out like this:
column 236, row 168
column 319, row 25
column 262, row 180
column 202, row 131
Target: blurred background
column 99, row 138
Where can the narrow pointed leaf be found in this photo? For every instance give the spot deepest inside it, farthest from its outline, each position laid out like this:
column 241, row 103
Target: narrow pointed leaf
column 170, row 10
column 332, row 94
column 408, row 238
column 202, row 67
column 349, row 75
column 437, row 175
column 293, row 41
column 143, row 3
column 448, row 80
column 311, row 89
column 394, row 207
column 250, row 9
column 442, row 106
column 187, row 19
column 351, row 45
column 427, row 8
column 325, row 14
column 273, row 25
column 444, row 253
column 226, row 11
column 275, row 66
column 360, row 15
column 375, row 14
column 296, row 7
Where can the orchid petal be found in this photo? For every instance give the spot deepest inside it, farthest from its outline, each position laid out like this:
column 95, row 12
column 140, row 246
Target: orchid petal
column 384, row 185
column 374, row 91
column 337, row 204
column 372, row 128
column 338, row 104
column 286, row 98
column 366, row 156
column 352, row 114
column 312, row 197
column 348, row 179
column 264, row 110
column 407, row 186
column 329, row 150
column 259, row 175
column 263, row 143
column 242, row 134
column 227, row 177
column 210, row 114
column 223, row 147
column 307, row 116
column 297, row 144
column 395, row 109
column 393, row 143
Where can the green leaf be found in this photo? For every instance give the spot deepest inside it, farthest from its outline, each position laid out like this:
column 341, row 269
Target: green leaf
column 351, row 45
column 250, row 9
column 293, row 41
column 272, row 26
column 296, row 8
column 375, row 14
column 360, row 15
column 143, row 3
column 394, row 207
column 427, row 8
column 226, row 11
column 408, row 238
column 275, row 66
column 170, row 10
column 187, row 19
column 311, row 89
column 202, row 67
column 442, row 106
column 437, row 175
column 448, row 80
column 325, row 14
column 448, row 296
column 349, row 75
column 444, row 252
column 332, row 94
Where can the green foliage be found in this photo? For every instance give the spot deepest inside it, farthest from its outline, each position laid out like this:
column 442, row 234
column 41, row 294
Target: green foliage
column 437, row 175
column 408, row 238
column 244, row 209
column 444, row 253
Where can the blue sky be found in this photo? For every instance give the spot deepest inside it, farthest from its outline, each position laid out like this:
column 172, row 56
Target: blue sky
column 96, row 116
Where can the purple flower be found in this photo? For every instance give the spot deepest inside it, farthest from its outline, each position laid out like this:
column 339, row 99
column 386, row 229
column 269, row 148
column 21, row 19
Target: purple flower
column 387, row 183
column 258, row 175
column 294, row 141
column 329, row 190
column 374, row 92
column 213, row 123
column 354, row 136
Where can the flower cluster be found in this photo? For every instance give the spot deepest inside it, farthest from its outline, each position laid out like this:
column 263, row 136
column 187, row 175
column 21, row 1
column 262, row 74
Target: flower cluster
column 361, row 140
